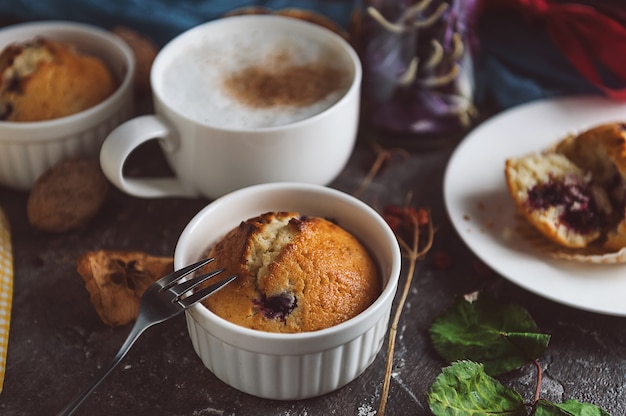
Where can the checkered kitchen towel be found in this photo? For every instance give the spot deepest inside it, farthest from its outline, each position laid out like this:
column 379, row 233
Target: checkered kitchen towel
column 6, row 290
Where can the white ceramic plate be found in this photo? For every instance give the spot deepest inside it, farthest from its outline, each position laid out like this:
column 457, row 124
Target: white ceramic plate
column 483, row 213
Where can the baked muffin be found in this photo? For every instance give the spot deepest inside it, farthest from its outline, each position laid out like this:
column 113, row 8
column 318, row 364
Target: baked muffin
column 294, row 274
column 44, row 79
column 601, row 150
column 558, row 198
column 575, row 192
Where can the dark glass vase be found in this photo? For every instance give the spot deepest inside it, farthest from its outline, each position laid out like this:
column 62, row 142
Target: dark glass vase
column 417, row 66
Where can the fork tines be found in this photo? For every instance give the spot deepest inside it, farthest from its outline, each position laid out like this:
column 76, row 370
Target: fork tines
column 170, row 280
column 170, row 283
column 187, row 285
column 199, row 295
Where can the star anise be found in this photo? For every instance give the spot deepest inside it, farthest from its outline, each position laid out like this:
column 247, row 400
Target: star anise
column 125, row 273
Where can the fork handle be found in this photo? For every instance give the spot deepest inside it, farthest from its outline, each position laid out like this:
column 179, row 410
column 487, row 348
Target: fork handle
column 138, row 328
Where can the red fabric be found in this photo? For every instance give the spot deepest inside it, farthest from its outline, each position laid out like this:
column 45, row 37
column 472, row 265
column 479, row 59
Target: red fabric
column 586, row 36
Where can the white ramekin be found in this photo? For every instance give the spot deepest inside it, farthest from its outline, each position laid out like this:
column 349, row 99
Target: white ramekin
column 290, row 366
column 27, row 149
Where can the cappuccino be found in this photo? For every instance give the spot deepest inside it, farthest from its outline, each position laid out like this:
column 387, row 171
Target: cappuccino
column 229, row 96
column 255, row 80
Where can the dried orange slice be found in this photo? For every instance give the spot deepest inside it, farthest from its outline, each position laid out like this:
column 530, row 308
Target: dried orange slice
column 116, row 281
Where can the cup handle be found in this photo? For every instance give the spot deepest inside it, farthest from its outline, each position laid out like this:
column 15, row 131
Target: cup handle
column 122, row 141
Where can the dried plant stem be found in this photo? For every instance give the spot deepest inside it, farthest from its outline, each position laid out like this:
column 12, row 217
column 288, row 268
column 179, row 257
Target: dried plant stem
column 539, row 380
column 382, row 156
column 413, row 253
column 392, row 342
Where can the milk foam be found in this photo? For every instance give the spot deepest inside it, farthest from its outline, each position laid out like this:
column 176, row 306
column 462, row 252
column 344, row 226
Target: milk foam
column 192, row 81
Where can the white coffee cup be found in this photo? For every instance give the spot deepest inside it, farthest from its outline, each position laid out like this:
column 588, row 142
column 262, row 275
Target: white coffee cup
column 216, row 145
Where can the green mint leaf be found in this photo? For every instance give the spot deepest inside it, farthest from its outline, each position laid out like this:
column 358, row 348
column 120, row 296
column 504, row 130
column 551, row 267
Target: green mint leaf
column 568, row 408
column 464, row 389
column 502, row 337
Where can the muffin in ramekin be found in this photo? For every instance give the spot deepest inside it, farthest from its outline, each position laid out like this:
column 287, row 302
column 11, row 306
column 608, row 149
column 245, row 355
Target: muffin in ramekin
column 29, row 148
column 291, row 366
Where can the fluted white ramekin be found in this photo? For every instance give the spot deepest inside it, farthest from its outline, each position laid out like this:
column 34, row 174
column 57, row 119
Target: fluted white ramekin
column 27, row 149
column 290, row 366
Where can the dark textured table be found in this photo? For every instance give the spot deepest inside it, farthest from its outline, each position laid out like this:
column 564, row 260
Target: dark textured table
column 57, row 342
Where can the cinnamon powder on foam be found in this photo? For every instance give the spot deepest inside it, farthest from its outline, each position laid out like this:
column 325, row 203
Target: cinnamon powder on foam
column 281, row 82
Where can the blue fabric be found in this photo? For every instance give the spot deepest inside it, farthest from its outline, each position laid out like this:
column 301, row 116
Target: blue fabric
column 517, row 62
column 161, row 20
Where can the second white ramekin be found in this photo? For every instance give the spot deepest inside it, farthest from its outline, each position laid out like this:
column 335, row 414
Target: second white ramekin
column 302, row 365
column 27, row 149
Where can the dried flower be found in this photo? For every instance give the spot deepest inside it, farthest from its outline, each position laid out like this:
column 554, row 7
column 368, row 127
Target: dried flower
column 408, row 224
column 415, row 232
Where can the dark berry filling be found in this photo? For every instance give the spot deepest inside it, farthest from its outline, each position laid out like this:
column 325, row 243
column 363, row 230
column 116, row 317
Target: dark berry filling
column 580, row 212
column 14, row 85
column 6, row 109
column 277, row 307
column 617, row 192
